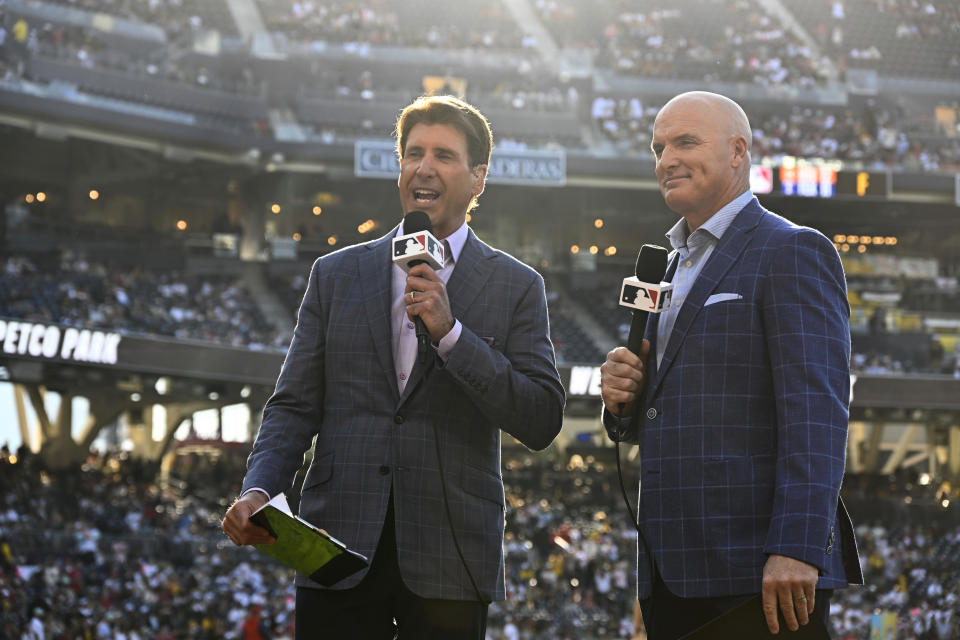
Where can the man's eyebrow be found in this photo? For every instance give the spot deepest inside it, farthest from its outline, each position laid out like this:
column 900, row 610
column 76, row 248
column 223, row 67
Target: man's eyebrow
column 685, row 137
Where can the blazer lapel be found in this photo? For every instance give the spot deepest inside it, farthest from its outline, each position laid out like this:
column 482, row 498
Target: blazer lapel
column 724, row 256
column 469, row 276
column 375, row 272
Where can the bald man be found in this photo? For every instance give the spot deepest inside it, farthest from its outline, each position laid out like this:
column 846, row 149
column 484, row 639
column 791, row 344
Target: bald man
column 739, row 396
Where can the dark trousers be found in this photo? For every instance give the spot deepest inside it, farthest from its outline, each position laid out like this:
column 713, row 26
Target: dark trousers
column 382, row 607
column 667, row 616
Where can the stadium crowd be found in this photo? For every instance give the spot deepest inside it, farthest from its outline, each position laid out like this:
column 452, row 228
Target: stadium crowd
column 76, row 291
column 742, row 43
column 107, row 550
column 470, row 24
column 873, row 137
column 178, row 18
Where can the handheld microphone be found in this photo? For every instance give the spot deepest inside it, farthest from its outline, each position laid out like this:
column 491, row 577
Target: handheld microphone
column 418, row 246
column 645, row 293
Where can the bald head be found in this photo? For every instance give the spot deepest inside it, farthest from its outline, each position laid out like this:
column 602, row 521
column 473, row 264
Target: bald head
column 723, row 111
column 701, row 141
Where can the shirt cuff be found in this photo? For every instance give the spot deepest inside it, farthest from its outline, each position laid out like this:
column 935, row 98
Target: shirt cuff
column 255, row 489
column 449, row 341
column 616, row 426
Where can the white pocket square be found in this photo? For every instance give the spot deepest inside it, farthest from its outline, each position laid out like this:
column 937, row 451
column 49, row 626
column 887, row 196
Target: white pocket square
column 722, row 297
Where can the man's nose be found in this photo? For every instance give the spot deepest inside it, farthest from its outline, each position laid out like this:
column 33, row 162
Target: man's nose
column 425, row 167
column 667, row 159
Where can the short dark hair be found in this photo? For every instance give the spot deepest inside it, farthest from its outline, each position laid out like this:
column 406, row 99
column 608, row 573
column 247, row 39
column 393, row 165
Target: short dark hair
column 452, row 111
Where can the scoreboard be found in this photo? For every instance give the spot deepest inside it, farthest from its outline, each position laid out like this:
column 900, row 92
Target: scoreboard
column 819, row 180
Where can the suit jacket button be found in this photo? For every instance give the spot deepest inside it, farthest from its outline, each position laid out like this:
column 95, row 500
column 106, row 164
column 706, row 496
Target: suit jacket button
column 398, row 419
column 651, row 413
column 384, row 470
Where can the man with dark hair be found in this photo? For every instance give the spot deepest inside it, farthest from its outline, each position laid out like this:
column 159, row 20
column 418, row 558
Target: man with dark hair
column 738, row 398
column 406, row 464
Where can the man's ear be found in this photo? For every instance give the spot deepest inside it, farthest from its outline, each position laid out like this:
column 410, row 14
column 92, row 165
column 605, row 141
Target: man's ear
column 740, row 151
column 479, row 178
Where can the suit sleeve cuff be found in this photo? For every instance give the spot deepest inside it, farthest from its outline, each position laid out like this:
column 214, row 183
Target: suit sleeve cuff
column 251, row 489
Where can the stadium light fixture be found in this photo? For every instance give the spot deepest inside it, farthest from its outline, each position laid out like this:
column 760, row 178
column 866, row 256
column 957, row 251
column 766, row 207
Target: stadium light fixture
column 844, row 247
column 317, row 210
column 162, row 385
column 182, row 225
column 94, row 194
column 594, row 249
column 246, row 391
column 862, row 249
column 41, row 196
column 574, row 249
column 840, row 238
column 29, row 198
column 275, row 208
column 598, row 223
column 332, row 240
column 297, row 237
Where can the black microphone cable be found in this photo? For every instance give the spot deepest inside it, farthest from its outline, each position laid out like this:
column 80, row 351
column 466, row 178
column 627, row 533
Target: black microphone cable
column 446, row 506
column 413, row 222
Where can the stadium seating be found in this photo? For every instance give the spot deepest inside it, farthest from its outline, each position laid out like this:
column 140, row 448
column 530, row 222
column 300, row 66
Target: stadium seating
column 906, row 38
column 109, row 551
column 80, row 292
column 419, row 23
column 226, row 90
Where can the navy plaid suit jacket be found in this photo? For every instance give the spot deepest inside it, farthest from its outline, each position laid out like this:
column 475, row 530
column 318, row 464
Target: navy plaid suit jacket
column 743, row 426
column 338, row 384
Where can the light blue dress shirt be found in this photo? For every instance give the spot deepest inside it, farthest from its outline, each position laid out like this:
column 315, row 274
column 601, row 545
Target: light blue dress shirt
column 694, row 250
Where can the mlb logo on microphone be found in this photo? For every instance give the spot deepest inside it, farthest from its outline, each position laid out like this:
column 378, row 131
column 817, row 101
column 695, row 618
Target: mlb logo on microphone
column 645, row 296
column 417, row 247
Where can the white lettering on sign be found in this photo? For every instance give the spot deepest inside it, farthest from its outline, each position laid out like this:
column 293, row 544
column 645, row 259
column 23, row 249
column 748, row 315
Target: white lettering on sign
column 584, row 381
column 49, row 341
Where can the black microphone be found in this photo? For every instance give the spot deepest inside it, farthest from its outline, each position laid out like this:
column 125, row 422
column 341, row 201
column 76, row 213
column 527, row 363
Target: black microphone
column 419, row 222
column 651, row 267
column 645, row 294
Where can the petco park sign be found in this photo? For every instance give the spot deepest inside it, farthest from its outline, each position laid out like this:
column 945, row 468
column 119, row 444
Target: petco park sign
column 53, row 342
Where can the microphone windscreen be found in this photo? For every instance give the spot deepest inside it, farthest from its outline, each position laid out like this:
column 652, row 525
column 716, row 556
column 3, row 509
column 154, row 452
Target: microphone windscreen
column 417, row 221
column 651, row 263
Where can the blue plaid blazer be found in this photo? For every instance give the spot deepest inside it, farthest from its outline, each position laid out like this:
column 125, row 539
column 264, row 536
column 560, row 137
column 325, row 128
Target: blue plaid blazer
column 743, row 427
column 338, row 384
